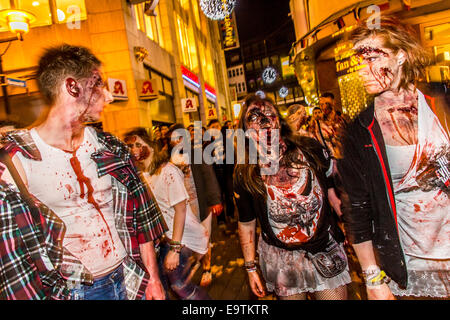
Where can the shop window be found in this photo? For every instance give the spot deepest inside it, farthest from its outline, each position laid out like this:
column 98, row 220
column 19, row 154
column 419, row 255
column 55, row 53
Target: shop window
column 196, row 10
column 188, row 52
column 249, row 66
column 150, row 25
column 274, row 60
column 441, row 31
column 69, row 10
column 139, row 16
column 64, row 11
column 166, row 110
column 257, row 64
column 168, row 86
column 239, row 87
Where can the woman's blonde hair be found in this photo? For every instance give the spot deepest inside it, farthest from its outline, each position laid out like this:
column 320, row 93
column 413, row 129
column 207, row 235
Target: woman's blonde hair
column 397, row 36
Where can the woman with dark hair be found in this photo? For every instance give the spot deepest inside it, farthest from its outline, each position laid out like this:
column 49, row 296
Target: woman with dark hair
column 187, row 239
column 395, row 171
column 300, row 246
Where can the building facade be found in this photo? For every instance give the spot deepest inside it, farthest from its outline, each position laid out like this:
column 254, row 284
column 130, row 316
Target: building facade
column 157, row 56
column 261, row 65
column 322, row 54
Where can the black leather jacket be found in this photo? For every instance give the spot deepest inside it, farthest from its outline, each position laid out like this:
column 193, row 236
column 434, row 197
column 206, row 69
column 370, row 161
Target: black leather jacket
column 370, row 212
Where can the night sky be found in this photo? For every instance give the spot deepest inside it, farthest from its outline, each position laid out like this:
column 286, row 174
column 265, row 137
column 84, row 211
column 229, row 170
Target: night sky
column 258, row 18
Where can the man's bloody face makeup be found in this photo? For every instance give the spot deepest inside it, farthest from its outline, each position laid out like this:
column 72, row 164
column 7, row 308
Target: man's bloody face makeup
column 93, row 97
column 138, row 148
column 381, row 68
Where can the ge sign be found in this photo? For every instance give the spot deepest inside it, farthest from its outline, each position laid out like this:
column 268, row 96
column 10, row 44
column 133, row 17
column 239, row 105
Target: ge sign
column 269, row 75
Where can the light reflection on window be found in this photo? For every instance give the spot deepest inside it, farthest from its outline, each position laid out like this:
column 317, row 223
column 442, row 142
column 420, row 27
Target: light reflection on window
column 64, row 11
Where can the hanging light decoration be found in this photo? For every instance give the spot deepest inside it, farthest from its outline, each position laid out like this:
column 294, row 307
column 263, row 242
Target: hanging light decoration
column 260, row 94
column 283, row 92
column 217, row 9
column 269, row 75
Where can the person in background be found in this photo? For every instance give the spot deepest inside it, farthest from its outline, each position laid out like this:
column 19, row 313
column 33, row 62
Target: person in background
column 300, row 245
column 202, row 185
column 328, row 105
column 395, row 171
column 86, row 177
column 187, row 239
column 325, row 133
column 298, row 120
column 218, row 156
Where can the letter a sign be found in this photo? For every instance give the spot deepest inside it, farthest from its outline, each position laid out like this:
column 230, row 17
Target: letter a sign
column 118, row 89
column 188, row 105
column 211, row 113
column 147, row 89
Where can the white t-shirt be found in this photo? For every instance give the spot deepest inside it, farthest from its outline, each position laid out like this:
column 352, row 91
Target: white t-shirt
column 421, row 199
column 189, row 184
column 86, row 208
column 169, row 190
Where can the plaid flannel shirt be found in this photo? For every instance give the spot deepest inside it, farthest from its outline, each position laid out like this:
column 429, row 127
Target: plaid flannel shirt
column 137, row 217
column 20, row 278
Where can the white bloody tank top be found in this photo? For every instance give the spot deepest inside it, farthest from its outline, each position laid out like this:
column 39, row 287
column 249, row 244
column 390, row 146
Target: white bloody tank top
column 69, row 185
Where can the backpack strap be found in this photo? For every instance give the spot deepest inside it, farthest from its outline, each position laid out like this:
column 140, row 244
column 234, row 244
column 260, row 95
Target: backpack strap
column 26, row 221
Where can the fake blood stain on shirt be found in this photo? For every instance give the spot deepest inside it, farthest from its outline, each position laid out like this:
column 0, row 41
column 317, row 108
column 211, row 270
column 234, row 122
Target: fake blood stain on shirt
column 85, row 181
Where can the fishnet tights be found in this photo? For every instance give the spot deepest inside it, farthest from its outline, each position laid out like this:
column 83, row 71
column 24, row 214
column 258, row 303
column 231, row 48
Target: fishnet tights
column 339, row 293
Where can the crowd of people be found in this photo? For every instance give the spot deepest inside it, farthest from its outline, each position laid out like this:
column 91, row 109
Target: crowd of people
column 85, row 215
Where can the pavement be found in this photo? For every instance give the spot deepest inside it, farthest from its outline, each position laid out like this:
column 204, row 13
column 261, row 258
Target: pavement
column 229, row 278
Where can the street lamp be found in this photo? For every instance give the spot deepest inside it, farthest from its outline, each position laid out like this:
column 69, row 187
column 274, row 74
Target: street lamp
column 18, row 22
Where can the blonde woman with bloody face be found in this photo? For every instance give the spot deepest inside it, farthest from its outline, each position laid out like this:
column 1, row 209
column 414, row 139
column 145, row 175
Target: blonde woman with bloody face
column 300, row 246
column 395, row 158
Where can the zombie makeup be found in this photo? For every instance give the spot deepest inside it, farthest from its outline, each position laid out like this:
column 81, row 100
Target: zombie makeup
column 263, row 124
column 261, row 116
column 139, row 151
column 93, row 97
column 380, row 69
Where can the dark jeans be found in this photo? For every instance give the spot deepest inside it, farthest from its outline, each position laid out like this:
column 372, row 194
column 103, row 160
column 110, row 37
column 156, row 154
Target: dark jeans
column 109, row 287
column 177, row 279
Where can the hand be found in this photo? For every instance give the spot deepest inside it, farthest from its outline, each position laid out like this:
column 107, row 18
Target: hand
column 381, row 292
column 335, row 202
column 172, row 260
column 216, row 210
column 255, row 284
column 155, row 290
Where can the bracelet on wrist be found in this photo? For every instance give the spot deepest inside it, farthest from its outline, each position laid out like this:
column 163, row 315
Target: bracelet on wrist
column 175, row 247
column 249, row 263
column 251, row 269
column 375, row 277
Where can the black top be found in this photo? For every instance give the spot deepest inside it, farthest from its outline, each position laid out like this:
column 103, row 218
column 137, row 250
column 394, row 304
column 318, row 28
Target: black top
column 255, row 207
column 366, row 178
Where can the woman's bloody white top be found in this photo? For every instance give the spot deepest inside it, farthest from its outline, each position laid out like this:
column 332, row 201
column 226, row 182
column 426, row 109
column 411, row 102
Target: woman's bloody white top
column 169, row 190
column 422, row 190
column 69, row 185
column 294, row 212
